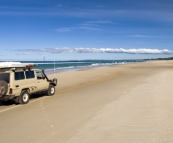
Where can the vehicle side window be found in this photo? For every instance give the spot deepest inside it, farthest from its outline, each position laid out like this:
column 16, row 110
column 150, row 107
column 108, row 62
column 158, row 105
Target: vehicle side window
column 5, row 76
column 40, row 75
column 29, row 74
column 19, row 75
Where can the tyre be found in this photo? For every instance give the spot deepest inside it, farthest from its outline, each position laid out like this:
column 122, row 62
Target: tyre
column 24, row 97
column 16, row 100
column 51, row 90
column 3, row 87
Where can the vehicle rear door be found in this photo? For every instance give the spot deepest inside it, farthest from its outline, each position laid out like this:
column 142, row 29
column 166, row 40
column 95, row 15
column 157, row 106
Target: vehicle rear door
column 19, row 82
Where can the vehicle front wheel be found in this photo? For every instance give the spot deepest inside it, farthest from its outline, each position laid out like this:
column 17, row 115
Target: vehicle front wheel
column 24, row 97
column 51, row 90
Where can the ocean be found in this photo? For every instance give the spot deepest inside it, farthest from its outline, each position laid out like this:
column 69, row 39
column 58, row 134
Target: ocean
column 63, row 66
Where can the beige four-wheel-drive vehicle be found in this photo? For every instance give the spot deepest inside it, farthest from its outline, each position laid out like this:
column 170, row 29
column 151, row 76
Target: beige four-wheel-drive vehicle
column 18, row 81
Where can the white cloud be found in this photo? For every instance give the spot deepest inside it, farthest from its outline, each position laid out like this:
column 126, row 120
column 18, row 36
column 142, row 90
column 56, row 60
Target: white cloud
column 63, row 29
column 26, row 53
column 88, row 28
column 142, row 36
column 99, row 41
column 88, row 25
column 100, row 50
column 98, row 22
column 82, row 27
column 150, row 14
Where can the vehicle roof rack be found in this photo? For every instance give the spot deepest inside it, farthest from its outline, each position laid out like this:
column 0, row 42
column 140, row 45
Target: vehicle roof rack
column 4, row 66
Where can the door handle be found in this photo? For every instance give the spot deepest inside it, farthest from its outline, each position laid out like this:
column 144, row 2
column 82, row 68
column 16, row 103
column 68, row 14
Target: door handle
column 17, row 85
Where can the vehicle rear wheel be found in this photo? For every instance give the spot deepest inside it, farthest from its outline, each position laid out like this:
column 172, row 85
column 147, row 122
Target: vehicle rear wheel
column 51, row 90
column 3, row 87
column 24, row 97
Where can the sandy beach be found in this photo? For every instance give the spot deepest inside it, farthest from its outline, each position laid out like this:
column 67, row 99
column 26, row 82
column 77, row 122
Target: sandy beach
column 129, row 103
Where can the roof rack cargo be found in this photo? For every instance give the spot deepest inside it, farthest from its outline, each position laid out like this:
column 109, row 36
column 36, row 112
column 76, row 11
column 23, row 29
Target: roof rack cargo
column 15, row 65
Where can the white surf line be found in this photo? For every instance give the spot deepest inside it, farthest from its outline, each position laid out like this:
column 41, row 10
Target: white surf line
column 23, row 105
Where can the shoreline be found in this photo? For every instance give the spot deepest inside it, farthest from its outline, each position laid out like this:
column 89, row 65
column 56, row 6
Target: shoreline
column 51, row 71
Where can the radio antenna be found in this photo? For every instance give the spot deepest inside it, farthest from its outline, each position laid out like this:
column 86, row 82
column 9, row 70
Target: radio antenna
column 44, row 61
column 54, row 67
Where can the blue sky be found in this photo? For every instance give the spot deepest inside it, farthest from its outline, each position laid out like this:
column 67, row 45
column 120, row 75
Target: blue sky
column 85, row 29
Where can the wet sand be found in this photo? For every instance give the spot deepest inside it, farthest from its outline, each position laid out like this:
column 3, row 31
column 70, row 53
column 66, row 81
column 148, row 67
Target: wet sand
column 121, row 104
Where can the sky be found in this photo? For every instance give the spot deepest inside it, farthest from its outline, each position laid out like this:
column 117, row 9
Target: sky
column 85, row 29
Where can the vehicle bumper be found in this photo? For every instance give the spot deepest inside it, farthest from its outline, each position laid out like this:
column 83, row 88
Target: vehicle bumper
column 7, row 97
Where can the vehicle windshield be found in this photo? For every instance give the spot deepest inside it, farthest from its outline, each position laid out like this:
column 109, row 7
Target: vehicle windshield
column 40, row 75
